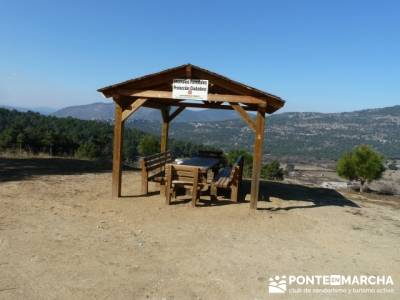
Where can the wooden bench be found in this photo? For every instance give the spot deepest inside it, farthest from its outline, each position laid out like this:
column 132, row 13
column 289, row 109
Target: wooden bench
column 153, row 169
column 183, row 176
column 231, row 178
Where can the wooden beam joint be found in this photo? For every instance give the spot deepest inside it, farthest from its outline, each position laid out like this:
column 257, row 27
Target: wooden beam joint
column 165, row 113
column 176, row 112
column 132, row 108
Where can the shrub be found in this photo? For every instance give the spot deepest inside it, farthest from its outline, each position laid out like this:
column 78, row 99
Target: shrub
column 87, row 150
column 148, row 145
column 272, row 171
column 362, row 164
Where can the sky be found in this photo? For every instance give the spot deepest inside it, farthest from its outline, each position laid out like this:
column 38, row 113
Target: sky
column 325, row 56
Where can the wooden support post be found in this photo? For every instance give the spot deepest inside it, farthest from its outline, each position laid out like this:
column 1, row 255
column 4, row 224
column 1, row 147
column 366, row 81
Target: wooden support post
column 236, row 187
column 145, row 177
column 165, row 128
column 164, row 137
column 117, row 152
column 257, row 157
column 168, row 173
column 234, row 192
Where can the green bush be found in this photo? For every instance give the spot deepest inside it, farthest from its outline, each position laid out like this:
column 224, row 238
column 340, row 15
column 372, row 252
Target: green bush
column 87, row 150
column 272, row 171
column 362, row 164
column 149, row 145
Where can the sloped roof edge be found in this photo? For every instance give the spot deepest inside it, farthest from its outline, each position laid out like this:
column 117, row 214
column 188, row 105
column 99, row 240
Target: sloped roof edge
column 253, row 90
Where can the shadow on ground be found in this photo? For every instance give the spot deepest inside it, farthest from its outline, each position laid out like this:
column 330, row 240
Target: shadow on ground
column 15, row 169
column 295, row 192
column 316, row 196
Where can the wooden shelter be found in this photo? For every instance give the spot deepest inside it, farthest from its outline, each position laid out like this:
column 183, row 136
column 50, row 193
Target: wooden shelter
column 155, row 91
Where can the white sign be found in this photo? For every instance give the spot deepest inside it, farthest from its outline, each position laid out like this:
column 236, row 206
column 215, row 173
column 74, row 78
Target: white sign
column 190, row 89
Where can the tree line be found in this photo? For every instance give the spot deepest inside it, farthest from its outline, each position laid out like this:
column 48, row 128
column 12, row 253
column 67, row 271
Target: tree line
column 31, row 132
column 35, row 133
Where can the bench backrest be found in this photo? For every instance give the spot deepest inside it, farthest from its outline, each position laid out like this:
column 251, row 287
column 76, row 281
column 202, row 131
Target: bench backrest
column 155, row 164
column 237, row 171
column 231, row 176
column 182, row 174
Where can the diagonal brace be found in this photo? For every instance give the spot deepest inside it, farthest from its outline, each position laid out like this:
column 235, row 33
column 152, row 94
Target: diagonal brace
column 133, row 107
column 176, row 112
column 245, row 116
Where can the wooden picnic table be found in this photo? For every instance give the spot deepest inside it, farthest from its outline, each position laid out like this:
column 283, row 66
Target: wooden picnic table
column 204, row 163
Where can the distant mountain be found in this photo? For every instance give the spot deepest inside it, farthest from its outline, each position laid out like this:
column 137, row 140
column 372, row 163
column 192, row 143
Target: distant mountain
column 301, row 134
column 105, row 111
column 94, row 111
column 43, row 110
column 298, row 134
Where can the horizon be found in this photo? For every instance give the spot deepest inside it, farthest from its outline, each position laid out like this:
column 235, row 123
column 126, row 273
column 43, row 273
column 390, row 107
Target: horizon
column 337, row 61
column 49, row 110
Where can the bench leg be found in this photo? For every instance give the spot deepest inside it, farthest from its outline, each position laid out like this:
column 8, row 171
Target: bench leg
column 213, row 193
column 145, row 186
column 195, row 189
column 195, row 193
column 234, row 193
column 162, row 188
column 168, row 195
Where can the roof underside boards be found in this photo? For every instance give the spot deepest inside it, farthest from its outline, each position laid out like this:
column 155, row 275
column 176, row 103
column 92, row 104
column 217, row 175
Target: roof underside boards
column 157, row 89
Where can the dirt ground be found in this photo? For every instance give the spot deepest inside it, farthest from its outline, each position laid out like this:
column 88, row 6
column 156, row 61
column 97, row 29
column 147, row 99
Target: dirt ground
column 62, row 236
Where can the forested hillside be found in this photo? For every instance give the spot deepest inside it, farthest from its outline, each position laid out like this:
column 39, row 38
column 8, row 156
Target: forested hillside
column 304, row 135
column 35, row 133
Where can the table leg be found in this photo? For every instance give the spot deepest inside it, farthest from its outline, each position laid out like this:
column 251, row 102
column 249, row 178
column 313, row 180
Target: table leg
column 213, row 192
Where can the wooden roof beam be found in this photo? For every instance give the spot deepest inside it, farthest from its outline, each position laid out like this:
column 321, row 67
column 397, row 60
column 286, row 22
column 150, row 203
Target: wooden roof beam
column 159, row 103
column 156, row 104
column 211, row 97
